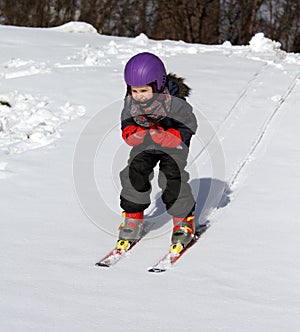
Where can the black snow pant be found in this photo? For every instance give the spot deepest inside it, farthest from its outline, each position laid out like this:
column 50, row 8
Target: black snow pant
column 172, row 179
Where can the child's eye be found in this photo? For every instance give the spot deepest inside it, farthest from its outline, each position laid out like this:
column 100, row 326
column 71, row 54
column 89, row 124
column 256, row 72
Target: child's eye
column 139, row 91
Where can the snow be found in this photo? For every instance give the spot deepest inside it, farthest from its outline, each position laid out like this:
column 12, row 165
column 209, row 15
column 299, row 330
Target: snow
column 76, row 27
column 31, row 121
column 259, row 43
column 60, row 156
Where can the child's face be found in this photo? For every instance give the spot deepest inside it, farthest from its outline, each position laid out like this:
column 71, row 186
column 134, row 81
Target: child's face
column 141, row 93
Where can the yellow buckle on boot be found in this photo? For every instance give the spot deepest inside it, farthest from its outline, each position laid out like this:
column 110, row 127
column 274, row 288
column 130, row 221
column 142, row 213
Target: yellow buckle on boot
column 123, row 245
column 176, row 248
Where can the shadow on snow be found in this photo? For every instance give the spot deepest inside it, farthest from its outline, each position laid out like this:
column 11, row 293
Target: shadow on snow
column 210, row 194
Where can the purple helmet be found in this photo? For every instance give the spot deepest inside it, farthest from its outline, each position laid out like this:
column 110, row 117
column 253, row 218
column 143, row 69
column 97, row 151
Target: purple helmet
column 145, row 68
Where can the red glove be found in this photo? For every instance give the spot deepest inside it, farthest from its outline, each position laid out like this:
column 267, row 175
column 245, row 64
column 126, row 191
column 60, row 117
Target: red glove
column 169, row 138
column 133, row 135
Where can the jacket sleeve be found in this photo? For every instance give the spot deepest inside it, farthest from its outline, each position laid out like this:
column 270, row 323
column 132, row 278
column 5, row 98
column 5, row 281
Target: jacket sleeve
column 183, row 119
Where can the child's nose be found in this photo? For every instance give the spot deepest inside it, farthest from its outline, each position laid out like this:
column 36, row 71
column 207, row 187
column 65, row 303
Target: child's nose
column 140, row 95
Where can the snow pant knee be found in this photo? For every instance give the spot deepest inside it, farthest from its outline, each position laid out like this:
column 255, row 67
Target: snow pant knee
column 135, row 180
column 173, row 180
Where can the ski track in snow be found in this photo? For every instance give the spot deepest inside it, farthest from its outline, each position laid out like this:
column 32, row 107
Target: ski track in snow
column 231, row 111
column 257, row 139
column 265, row 127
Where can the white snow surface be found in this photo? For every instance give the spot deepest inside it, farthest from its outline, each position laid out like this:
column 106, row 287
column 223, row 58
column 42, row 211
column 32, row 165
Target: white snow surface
column 60, row 156
column 76, row 27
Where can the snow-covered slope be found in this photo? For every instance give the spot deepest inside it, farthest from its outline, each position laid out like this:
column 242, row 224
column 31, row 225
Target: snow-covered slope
column 60, row 155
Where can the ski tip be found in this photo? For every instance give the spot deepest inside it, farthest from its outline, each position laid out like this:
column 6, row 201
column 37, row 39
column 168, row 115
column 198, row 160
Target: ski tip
column 156, row 269
column 101, row 264
column 200, row 229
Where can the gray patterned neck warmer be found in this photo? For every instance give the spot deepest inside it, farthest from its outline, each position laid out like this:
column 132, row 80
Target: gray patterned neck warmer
column 151, row 112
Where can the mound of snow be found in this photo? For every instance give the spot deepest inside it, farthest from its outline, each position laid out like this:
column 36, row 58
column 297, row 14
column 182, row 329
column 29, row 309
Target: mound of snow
column 259, row 43
column 77, row 27
column 16, row 68
column 141, row 40
column 31, row 122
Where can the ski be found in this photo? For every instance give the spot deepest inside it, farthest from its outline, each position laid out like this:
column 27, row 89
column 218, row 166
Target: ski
column 168, row 260
column 116, row 254
column 121, row 249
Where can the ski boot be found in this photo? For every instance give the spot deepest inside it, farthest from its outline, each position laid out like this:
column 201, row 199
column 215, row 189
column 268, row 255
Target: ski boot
column 130, row 230
column 183, row 233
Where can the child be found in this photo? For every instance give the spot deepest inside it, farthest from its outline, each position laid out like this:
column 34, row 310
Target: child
column 159, row 127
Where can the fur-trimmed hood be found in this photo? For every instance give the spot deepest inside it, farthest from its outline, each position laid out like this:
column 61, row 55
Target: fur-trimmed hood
column 177, row 87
